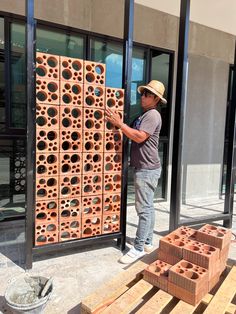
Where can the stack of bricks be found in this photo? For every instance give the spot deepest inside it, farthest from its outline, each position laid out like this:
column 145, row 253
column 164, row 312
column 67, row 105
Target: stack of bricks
column 190, row 262
column 78, row 153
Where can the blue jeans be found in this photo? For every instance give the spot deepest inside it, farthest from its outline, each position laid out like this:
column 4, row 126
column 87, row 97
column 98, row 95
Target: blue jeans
column 145, row 183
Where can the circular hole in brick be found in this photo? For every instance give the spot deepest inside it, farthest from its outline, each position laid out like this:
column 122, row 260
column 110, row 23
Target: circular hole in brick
column 75, row 113
column 75, row 158
column 109, row 146
column 76, row 65
column 108, row 187
column 109, row 125
column 41, row 169
column 65, row 168
column 41, row 193
column 66, row 110
column 76, row 89
column 66, row 122
column 51, row 182
column 98, row 115
column 67, row 86
column 88, row 145
column 98, row 91
column 65, row 235
column 117, row 137
column 179, row 270
column 65, row 213
column 108, row 207
column 52, row 205
column 179, row 243
column 111, row 103
column 52, row 62
column 209, row 227
column 99, row 69
column 88, row 167
column 41, row 70
column 67, row 98
column 52, row 112
column 88, row 188
column 97, row 137
column 95, row 220
column 120, row 104
column 41, row 239
column 41, row 216
column 108, row 167
column 186, row 264
column 66, row 145
column 115, row 218
column 116, row 198
column 191, row 275
column 119, row 94
column 39, row 60
column 66, row 74
column 90, row 77
column 116, row 178
column 74, row 224
column 89, row 124
column 209, row 248
column 87, row 231
column 65, row 190
column 75, row 136
column 41, row 96
column 220, row 234
column 74, row 181
column 74, row 203
column 51, row 136
column 87, row 210
column 51, row 159
column 52, row 87
column 66, row 157
column 117, row 158
column 41, row 145
column 41, row 157
column 65, row 64
column 41, row 121
column 54, row 97
column 96, row 179
column 54, row 121
column 96, row 158
column 89, row 100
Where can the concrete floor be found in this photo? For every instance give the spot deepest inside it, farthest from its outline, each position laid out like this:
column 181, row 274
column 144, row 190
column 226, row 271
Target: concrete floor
column 78, row 272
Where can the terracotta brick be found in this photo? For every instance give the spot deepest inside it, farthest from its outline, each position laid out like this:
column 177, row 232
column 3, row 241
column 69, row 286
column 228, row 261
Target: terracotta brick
column 93, row 141
column 71, row 118
column 47, row 141
column 70, row 208
column 215, row 236
column 46, row 233
column 71, row 69
column 47, row 66
column 47, row 116
column 46, row 211
column 112, row 183
column 71, row 94
column 173, row 244
column 91, row 226
column 70, row 186
column 115, row 98
column 70, row 163
column 70, row 229
column 46, row 188
column 157, row 274
column 47, row 91
column 92, row 184
column 94, row 96
column 113, row 142
column 47, row 164
column 111, row 223
column 92, row 206
column 111, row 203
column 189, row 276
column 93, row 119
column 92, row 163
column 94, row 73
column 112, row 162
column 168, row 257
column 213, row 281
column 71, row 141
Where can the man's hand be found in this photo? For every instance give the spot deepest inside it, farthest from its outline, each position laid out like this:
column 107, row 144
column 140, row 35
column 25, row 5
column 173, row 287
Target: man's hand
column 113, row 117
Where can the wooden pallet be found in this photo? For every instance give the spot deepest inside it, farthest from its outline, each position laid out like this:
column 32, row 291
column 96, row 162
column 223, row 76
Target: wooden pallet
column 129, row 293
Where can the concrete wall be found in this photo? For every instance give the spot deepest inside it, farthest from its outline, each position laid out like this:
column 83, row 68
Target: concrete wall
column 210, row 53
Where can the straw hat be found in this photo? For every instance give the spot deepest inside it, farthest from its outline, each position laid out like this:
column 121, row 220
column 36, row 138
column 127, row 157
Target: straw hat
column 156, row 88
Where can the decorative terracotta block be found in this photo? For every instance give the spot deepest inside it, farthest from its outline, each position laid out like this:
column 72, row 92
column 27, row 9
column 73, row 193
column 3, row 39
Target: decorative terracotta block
column 92, row 206
column 113, row 142
column 92, row 163
column 46, row 211
column 71, row 94
column 47, row 141
column 111, row 223
column 92, row 184
column 91, row 227
column 46, row 188
column 70, row 208
column 70, row 141
column 94, row 73
column 112, row 162
column 47, row 91
column 94, row 96
column 112, row 183
column 70, row 186
column 115, row 98
column 47, row 164
column 46, row 233
column 70, row 163
column 71, row 69
column 93, row 119
column 47, row 116
column 111, row 203
column 157, row 274
column 70, row 229
column 93, row 141
column 215, row 236
column 47, row 66
column 71, row 118
column 168, row 257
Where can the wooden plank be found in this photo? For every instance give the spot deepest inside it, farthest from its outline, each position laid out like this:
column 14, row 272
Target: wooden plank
column 224, row 295
column 156, row 303
column 129, row 299
column 231, row 309
column 108, row 292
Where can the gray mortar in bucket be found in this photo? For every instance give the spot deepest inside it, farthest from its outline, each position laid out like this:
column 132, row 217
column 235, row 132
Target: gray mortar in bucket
column 28, row 294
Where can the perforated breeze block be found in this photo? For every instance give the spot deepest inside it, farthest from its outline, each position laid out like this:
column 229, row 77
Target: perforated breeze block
column 157, row 274
column 94, row 73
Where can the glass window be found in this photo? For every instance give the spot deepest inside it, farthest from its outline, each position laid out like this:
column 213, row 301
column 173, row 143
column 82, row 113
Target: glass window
column 59, row 43
column 18, row 76
column 2, row 80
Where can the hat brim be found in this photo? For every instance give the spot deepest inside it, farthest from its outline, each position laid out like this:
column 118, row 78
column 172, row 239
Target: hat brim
column 141, row 88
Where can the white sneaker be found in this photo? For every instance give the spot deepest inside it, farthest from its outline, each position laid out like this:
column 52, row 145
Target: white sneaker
column 148, row 248
column 131, row 256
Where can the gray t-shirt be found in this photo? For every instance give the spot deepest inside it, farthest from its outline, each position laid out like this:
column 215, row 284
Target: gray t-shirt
column 145, row 155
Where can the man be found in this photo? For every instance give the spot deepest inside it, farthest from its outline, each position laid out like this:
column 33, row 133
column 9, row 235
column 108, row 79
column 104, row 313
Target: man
column 146, row 162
